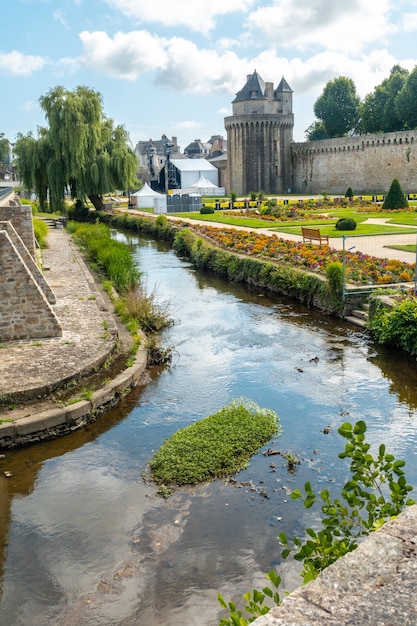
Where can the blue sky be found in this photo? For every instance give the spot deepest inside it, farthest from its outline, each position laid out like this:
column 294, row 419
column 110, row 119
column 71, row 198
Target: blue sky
column 174, row 66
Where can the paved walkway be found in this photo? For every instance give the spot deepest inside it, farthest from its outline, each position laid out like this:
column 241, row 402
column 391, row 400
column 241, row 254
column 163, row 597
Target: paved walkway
column 34, row 368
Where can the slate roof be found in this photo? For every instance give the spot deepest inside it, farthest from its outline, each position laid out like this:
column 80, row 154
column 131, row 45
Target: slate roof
column 253, row 90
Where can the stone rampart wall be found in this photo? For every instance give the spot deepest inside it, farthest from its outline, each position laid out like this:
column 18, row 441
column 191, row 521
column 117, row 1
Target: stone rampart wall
column 367, row 163
column 21, row 217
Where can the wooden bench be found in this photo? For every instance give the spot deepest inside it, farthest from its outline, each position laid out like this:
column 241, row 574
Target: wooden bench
column 313, row 234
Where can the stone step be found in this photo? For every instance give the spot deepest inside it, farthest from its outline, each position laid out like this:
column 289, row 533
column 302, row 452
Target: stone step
column 356, row 320
column 363, row 315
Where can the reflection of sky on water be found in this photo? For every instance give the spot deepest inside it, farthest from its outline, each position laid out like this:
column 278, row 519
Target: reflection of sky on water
column 75, row 527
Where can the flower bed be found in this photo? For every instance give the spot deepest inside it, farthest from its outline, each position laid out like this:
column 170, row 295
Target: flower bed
column 360, row 268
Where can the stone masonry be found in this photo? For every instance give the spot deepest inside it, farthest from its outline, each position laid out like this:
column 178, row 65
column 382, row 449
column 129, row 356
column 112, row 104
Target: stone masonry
column 25, row 304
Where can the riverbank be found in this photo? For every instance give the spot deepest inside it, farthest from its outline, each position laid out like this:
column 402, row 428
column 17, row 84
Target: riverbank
column 54, row 386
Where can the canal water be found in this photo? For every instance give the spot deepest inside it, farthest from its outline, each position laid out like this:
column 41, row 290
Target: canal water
column 83, row 538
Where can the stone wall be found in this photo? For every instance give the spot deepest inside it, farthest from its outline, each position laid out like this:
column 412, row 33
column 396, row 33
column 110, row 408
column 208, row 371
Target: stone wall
column 21, row 218
column 258, row 148
column 367, row 163
column 25, row 312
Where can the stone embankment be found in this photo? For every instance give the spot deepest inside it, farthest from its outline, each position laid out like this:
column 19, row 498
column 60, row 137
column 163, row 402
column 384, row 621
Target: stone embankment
column 33, row 374
column 374, row 585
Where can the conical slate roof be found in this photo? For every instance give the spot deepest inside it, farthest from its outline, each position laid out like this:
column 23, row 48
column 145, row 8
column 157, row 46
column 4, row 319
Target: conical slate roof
column 283, row 86
column 253, row 90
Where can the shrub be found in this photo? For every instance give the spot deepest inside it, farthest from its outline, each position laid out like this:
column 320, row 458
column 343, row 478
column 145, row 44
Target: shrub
column 334, row 275
column 346, row 223
column 396, row 326
column 395, row 198
column 349, row 193
column 40, row 229
column 112, row 257
column 206, row 210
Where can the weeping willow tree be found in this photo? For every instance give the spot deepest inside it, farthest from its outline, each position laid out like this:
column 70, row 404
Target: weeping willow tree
column 81, row 152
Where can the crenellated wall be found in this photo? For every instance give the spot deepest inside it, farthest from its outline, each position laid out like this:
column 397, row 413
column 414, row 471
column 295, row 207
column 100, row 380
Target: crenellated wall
column 367, row 163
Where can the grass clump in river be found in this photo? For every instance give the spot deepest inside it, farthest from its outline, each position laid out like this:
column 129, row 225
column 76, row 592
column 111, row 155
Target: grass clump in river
column 215, row 447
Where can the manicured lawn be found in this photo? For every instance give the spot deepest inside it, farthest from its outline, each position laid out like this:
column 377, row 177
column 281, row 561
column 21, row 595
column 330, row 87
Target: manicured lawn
column 330, row 230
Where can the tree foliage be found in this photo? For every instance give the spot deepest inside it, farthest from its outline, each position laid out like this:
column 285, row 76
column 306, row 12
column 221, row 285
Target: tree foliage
column 316, row 131
column 405, row 102
column 338, row 107
column 378, row 109
column 81, row 152
column 4, row 149
column 395, row 198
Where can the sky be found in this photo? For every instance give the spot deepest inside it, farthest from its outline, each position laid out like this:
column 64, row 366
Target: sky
column 173, row 67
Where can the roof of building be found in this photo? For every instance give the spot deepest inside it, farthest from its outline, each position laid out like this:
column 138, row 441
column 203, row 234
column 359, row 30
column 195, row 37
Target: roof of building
column 283, row 86
column 253, row 89
column 189, row 165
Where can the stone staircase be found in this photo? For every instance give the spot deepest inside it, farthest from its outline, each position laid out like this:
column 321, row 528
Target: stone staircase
column 359, row 317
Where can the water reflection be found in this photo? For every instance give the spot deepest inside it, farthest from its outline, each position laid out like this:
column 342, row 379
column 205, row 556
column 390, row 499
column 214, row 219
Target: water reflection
column 87, row 540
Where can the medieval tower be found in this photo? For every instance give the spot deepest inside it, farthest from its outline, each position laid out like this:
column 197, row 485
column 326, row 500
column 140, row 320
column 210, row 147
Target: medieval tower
column 259, row 136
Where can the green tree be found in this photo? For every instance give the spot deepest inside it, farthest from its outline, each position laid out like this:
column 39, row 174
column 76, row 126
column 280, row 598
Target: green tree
column 338, row 107
column 316, row 131
column 395, row 198
column 378, row 110
column 4, row 149
column 406, row 100
column 81, row 151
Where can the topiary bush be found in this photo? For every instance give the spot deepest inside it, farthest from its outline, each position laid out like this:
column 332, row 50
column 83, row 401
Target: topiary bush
column 206, row 210
column 395, row 198
column 346, row 223
column 349, row 193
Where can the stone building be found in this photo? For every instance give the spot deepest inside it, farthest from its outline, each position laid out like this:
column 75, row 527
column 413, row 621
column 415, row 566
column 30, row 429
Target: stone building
column 262, row 156
column 259, row 136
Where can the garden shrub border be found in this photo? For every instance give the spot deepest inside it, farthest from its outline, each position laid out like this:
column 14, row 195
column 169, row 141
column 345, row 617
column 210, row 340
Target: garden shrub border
column 310, row 289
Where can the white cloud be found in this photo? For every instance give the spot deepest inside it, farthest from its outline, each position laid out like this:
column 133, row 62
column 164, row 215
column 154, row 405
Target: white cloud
column 409, row 22
column 197, row 15
column 190, row 124
column 178, row 63
column 17, row 64
column 343, row 27
column 59, row 16
column 126, row 55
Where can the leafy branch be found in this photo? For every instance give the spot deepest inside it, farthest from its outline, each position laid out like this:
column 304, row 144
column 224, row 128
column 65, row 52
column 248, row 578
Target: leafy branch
column 376, row 492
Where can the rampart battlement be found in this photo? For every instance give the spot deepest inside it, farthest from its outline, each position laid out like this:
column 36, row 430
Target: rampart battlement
column 367, row 163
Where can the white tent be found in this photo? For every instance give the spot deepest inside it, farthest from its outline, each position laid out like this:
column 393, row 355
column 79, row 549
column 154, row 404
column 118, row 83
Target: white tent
column 145, row 197
column 204, row 183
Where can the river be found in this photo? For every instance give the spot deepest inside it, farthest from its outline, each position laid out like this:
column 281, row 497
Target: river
column 83, row 538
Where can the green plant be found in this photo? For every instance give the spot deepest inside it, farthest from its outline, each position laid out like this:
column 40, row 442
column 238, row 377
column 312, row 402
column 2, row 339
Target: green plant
column 395, row 199
column 40, row 230
column 112, row 257
column 87, row 394
column 206, row 210
column 376, row 491
column 292, row 460
column 254, row 606
column 345, row 223
column 349, row 193
column 216, row 446
column 334, row 275
column 395, row 325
